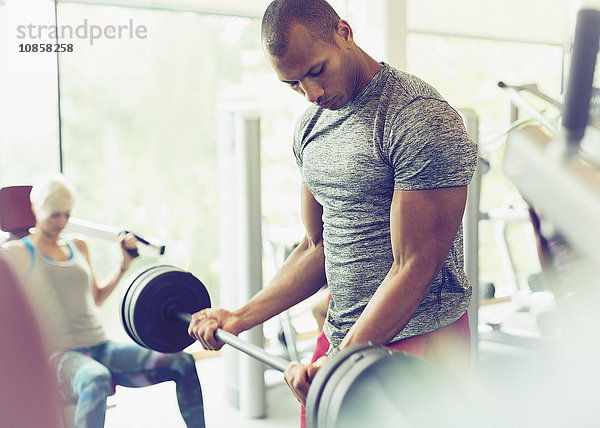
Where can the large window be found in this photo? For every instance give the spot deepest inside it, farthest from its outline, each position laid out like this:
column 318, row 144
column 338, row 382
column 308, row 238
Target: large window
column 139, row 127
column 28, row 97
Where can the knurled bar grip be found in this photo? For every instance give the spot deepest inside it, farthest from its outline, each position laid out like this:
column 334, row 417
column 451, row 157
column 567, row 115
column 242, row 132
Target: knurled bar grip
column 247, row 348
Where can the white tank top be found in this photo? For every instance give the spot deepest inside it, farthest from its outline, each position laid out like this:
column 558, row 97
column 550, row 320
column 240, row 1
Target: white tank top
column 63, row 294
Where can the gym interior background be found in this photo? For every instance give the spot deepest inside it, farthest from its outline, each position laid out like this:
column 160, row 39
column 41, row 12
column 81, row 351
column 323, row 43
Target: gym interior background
column 133, row 122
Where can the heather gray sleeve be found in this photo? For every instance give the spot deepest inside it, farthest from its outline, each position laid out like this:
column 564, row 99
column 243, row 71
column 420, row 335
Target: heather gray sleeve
column 296, row 145
column 429, row 147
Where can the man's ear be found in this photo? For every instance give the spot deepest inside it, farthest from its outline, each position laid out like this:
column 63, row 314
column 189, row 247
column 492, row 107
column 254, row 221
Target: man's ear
column 344, row 33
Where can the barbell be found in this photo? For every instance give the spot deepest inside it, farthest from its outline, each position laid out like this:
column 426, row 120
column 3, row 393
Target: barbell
column 362, row 385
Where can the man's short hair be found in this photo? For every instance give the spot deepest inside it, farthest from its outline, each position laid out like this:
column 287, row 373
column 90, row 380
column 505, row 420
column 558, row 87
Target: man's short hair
column 316, row 15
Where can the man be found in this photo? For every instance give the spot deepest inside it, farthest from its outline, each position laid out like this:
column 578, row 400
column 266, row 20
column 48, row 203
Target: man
column 385, row 162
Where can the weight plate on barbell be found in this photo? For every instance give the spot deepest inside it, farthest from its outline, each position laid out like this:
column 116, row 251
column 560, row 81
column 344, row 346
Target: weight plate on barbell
column 371, row 385
column 127, row 309
column 144, row 280
column 335, row 390
column 389, row 389
column 150, row 303
column 315, row 392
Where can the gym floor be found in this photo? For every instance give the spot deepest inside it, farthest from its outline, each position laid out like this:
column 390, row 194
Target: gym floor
column 156, row 406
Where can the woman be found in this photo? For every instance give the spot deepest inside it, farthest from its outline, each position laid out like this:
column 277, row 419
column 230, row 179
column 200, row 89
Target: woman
column 61, row 283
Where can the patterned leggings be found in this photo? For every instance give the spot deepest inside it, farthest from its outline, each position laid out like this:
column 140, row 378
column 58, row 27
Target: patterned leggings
column 85, row 376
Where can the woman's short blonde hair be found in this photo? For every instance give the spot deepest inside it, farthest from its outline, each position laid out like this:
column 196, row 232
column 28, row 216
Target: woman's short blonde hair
column 52, row 193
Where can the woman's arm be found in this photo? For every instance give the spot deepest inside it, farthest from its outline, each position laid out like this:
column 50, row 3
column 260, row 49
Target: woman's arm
column 101, row 292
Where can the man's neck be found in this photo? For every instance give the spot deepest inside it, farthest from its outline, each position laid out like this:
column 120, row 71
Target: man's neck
column 366, row 69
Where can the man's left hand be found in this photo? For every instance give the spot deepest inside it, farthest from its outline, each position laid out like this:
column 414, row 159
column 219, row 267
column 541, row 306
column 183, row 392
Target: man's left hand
column 299, row 376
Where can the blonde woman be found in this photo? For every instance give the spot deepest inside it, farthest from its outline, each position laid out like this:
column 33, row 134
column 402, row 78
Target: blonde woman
column 60, row 279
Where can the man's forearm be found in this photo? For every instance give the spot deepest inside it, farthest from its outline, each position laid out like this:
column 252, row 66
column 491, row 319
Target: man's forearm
column 302, row 275
column 392, row 306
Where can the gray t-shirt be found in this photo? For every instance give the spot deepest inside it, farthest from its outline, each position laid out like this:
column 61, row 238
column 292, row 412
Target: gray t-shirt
column 398, row 133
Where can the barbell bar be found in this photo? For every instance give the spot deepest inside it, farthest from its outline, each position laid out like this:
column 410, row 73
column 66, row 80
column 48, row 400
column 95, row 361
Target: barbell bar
column 241, row 345
column 362, row 384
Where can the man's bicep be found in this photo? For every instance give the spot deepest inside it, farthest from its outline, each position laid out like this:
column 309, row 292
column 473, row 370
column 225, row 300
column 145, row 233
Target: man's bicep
column 312, row 215
column 432, row 153
column 424, row 223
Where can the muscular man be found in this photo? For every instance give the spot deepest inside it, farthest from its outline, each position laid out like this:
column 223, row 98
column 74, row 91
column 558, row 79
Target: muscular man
column 385, row 162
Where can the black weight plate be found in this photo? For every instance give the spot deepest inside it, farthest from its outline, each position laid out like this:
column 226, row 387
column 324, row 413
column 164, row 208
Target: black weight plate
column 167, row 291
column 315, row 392
column 123, row 314
column 125, row 306
column 328, row 415
column 154, row 294
column 136, row 287
column 126, row 309
column 354, row 354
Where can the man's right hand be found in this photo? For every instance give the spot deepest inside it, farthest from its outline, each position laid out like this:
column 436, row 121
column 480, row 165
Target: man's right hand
column 205, row 323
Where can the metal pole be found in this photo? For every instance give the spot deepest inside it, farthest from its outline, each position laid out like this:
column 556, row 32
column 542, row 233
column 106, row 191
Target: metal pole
column 228, row 243
column 249, row 251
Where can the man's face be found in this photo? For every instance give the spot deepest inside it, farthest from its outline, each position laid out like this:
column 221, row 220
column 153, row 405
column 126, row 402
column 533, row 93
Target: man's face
column 319, row 71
